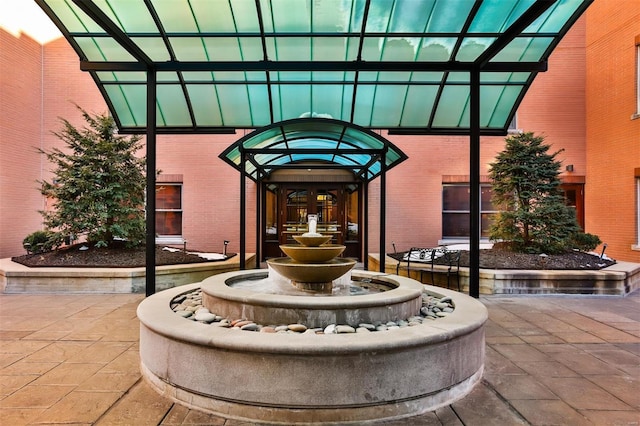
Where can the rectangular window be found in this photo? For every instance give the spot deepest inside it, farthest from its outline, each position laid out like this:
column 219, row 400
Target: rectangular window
column 169, row 210
column 637, row 245
column 637, row 114
column 456, row 211
column 513, row 125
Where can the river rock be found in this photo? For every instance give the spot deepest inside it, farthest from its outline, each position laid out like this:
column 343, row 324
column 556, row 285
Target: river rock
column 330, row 329
column 252, row 326
column 344, row 329
column 184, row 314
column 363, row 330
column 368, row 326
column 207, row 317
column 282, row 328
column 267, row 329
column 298, row 328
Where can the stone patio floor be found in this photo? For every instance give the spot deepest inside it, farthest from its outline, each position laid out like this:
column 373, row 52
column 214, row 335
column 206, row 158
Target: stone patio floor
column 553, row 360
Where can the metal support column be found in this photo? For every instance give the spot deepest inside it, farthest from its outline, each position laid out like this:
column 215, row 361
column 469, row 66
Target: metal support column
column 150, row 218
column 243, row 210
column 259, row 222
column 474, row 185
column 365, row 225
column 383, row 209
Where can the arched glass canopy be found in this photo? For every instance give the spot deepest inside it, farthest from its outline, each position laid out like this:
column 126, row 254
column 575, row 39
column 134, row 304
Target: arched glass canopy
column 402, row 65
column 336, row 144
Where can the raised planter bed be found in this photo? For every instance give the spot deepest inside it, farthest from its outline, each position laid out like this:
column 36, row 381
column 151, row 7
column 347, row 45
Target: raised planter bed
column 17, row 278
column 619, row 279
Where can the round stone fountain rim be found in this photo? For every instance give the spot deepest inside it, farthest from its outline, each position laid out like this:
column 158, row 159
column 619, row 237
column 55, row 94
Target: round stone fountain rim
column 155, row 313
column 404, row 290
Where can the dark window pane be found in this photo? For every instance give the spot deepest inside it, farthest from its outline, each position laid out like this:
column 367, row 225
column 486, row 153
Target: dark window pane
column 169, row 223
column 486, row 194
column 455, row 197
column 455, row 225
column 485, row 222
column 168, row 197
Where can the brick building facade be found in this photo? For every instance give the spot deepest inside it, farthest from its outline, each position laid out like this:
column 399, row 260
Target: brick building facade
column 585, row 104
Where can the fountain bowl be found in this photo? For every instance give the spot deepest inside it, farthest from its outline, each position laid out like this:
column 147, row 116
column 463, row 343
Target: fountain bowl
column 320, row 254
column 310, row 272
column 312, row 240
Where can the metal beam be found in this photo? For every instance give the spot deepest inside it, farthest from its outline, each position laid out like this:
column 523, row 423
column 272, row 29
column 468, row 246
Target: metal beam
column 275, row 66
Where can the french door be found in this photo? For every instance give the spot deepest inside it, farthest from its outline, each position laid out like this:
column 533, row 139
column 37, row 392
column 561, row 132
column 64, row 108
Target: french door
column 286, row 210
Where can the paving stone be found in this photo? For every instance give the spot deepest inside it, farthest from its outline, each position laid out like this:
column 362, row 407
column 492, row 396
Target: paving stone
column 581, row 394
column 80, row 407
column 544, row 412
column 483, row 407
column 35, row 396
column 518, row 387
column 141, row 405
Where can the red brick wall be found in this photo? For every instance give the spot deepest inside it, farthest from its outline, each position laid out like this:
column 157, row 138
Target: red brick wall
column 613, row 137
column 20, row 136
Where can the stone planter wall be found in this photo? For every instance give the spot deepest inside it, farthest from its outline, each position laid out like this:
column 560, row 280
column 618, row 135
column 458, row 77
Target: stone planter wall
column 619, row 279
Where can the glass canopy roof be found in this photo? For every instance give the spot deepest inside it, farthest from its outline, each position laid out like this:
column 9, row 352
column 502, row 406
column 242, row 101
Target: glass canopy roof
column 336, row 144
column 402, row 65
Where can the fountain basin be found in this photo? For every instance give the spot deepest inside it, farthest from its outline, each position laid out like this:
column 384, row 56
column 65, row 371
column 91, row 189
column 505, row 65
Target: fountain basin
column 311, row 273
column 311, row 240
column 306, row 379
column 319, row 254
column 403, row 300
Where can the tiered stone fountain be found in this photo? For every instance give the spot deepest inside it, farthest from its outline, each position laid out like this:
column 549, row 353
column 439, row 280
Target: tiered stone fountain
column 291, row 378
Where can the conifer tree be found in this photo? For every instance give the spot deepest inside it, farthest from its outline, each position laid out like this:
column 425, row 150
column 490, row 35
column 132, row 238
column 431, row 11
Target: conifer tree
column 526, row 186
column 98, row 185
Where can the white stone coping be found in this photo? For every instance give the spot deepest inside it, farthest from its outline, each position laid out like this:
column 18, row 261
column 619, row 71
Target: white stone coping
column 469, row 315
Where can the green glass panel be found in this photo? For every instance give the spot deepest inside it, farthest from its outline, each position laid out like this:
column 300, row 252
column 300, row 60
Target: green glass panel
column 172, row 105
column 101, row 49
column 206, row 109
column 331, row 48
column 362, row 140
column 410, row 16
column 371, row 49
column 333, row 76
column 451, row 106
column 397, row 49
column 458, row 77
column 153, row 47
column 326, row 100
column 427, row 77
column 290, row 49
column 219, row 16
column 449, row 16
column 291, row 76
column 495, row 16
column 73, row 19
column 418, row 105
column 387, row 107
column 365, row 96
column 472, row 47
column 130, row 16
column 524, row 49
column 331, row 16
column 165, row 77
column 290, row 15
column 555, row 17
column 234, row 102
column 259, row 105
column 436, row 49
column 503, row 77
column 233, row 49
column 296, row 100
column 132, row 76
column 264, row 138
column 503, row 106
column 234, row 155
column 245, row 16
column 394, row 76
column 379, row 16
column 177, row 16
column 129, row 103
